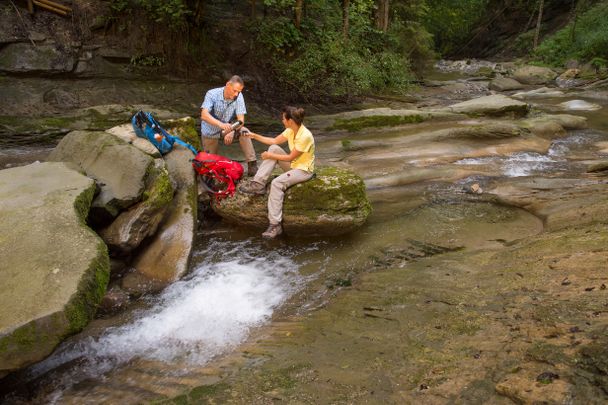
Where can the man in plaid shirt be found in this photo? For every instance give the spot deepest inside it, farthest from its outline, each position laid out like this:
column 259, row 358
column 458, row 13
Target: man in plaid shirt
column 221, row 106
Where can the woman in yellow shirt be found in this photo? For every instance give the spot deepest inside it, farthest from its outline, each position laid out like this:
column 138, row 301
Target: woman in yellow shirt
column 298, row 165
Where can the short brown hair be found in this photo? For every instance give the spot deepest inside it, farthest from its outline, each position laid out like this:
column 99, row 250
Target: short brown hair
column 236, row 79
column 294, row 113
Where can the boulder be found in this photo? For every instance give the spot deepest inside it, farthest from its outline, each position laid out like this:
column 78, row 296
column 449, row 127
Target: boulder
column 127, row 134
column 167, row 256
column 543, row 92
column 534, row 75
column 27, row 58
column 131, row 227
column 96, row 153
column 566, row 120
column 569, row 79
column 505, row 84
column 597, row 167
column 332, row 203
column 54, row 269
column 495, row 105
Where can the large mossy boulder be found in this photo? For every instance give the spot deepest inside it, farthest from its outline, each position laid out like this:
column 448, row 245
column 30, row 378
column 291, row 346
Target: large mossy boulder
column 54, row 269
column 120, row 169
column 332, row 203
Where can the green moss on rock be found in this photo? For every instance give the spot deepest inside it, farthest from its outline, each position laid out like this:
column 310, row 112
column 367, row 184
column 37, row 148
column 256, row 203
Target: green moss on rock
column 332, row 203
column 159, row 190
column 359, row 123
column 185, row 129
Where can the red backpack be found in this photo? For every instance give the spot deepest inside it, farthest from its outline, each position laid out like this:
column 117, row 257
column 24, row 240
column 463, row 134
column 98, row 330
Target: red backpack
column 217, row 170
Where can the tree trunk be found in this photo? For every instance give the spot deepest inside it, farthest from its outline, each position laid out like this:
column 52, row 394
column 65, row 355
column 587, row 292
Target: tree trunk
column 345, row 18
column 540, row 17
column 298, row 12
column 253, row 10
column 382, row 13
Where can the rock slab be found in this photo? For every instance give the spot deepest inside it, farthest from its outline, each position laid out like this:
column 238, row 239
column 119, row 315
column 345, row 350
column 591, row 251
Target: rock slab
column 97, row 154
column 54, row 269
column 495, row 105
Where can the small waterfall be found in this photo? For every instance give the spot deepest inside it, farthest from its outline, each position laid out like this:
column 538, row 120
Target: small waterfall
column 193, row 320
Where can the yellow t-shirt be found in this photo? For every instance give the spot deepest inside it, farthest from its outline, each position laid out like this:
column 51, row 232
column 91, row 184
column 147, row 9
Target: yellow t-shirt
column 302, row 142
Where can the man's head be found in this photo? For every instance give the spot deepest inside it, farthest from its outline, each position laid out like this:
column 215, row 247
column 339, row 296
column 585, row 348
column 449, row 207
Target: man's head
column 233, row 87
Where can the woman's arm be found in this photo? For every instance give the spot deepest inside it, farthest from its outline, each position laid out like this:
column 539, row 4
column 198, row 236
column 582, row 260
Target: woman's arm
column 267, row 140
column 288, row 158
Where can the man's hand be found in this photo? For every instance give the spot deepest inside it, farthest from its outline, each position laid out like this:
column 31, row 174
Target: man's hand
column 228, row 138
column 225, row 126
column 265, row 155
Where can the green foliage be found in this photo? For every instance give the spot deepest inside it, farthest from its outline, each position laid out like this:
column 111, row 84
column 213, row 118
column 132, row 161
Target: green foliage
column 451, row 22
column 147, row 60
column 586, row 41
column 599, row 63
column 277, row 35
column 357, row 124
column 173, row 12
column 316, row 60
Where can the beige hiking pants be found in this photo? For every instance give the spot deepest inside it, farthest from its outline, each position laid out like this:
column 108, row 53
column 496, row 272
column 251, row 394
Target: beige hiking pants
column 212, row 145
column 280, row 184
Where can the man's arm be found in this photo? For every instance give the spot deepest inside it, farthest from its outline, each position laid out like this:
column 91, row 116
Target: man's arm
column 209, row 119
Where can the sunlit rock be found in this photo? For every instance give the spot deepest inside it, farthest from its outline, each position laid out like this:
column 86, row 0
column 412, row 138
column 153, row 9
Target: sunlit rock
column 97, row 154
column 505, row 84
column 54, row 269
column 495, row 105
column 543, row 92
column 534, row 75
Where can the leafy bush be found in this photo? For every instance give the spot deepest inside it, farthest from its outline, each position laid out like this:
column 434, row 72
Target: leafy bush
column 173, row 12
column 584, row 42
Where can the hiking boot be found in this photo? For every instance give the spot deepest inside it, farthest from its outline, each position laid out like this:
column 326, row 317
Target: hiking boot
column 253, row 187
column 252, row 168
column 273, row 231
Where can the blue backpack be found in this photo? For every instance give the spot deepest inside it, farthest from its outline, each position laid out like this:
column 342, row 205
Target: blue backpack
column 147, row 127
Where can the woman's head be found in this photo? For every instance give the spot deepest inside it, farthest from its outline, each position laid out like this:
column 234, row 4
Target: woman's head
column 296, row 114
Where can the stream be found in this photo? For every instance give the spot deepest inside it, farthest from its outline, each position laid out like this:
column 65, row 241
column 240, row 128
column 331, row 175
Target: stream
column 242, row 289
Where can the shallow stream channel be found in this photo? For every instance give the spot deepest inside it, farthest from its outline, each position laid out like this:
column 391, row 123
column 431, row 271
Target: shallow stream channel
column 377, row 316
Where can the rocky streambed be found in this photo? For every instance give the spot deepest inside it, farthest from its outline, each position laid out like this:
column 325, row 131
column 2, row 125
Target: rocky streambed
column 480, row 276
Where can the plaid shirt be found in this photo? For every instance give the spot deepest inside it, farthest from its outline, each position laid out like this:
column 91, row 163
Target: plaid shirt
column 221, row 109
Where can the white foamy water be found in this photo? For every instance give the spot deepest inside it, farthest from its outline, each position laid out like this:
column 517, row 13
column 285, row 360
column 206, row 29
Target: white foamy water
column 524, row 164
column 516, row 165
column 194, row 319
